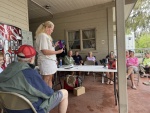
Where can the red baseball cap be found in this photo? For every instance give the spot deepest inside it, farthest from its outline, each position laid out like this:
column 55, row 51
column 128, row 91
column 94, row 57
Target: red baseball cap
column 26, row 51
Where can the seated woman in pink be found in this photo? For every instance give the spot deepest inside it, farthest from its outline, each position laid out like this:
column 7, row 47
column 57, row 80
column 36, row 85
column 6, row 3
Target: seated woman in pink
column 132, row 67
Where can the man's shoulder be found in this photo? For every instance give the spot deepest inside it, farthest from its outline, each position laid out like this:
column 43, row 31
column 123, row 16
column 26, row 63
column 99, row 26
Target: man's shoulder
column 74, row 56
column 79, row 55
column 65, row 56
column 30, row 71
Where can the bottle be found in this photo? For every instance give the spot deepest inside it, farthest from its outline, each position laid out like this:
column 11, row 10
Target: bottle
column 106, row 60
column 103, row 77
column 60, row 62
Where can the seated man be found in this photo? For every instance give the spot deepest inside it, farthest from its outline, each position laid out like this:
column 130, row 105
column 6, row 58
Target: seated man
column 145, row 66
column 132, row 67
column 20, row 77
column 77, row 58
column 68, row 58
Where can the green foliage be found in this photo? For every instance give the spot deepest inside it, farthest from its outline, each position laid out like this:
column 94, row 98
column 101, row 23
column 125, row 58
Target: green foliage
column 139, row 19
column 143, row 41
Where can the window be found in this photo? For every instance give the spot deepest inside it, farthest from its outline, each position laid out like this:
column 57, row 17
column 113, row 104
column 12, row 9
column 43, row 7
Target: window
column 82, row 39
column 74, row 39
column 88, row 37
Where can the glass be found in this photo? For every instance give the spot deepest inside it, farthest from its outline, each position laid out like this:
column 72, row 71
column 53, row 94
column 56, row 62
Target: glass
column 89, row 38
column 74, row 39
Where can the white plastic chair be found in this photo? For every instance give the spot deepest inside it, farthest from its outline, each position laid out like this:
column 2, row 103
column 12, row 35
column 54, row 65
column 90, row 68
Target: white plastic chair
column 14, row 101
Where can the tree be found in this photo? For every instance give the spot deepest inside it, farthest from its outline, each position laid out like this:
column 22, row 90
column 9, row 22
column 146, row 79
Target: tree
column 143, row 41
column 139, row 19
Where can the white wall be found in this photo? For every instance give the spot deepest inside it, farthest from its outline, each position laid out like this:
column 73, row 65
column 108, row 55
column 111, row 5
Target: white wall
column 14, row 12
column 92, row 17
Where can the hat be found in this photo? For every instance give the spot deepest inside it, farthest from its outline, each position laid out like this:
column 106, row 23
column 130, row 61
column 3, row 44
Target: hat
column 26, row 51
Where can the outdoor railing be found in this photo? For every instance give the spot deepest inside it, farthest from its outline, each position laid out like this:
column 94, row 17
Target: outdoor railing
column 140, row 52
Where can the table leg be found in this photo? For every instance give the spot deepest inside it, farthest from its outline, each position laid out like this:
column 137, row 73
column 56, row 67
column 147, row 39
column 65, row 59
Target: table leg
column 57, row 82
column 115, row 90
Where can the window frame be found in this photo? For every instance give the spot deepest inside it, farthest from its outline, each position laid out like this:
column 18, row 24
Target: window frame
column 81, row 38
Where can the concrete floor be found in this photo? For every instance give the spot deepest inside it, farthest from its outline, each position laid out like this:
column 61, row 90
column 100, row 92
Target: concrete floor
column 99, row 98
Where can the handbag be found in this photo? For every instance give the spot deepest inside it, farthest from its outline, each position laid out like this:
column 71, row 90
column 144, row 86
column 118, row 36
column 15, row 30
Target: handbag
column 72, row 81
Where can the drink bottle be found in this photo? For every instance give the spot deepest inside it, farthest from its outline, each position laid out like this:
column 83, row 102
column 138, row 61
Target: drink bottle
column 60, row 62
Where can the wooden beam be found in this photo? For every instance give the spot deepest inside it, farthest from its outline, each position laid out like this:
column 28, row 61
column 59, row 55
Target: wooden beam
column 130, row 1
column 120, row 38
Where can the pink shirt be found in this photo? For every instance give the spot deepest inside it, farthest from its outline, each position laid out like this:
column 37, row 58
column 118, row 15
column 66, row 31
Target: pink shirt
column 132, row 61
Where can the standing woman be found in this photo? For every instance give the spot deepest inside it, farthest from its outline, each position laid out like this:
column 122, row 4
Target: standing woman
column 46, row 51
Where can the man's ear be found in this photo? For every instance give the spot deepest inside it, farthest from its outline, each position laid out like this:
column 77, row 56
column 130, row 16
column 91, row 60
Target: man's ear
column 32, row 59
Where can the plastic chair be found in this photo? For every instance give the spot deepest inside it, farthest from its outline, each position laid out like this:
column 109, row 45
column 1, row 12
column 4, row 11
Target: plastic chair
column 136, row 77
column 89, row 62
column 14, row 101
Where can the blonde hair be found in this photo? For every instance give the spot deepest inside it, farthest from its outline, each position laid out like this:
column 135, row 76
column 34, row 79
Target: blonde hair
column 42, row 27
column 90, row 52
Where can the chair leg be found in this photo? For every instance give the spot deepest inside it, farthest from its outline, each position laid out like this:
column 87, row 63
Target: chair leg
column 138, row 78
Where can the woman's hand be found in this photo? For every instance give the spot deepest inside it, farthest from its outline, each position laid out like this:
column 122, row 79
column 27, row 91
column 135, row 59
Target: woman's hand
column 60, row 51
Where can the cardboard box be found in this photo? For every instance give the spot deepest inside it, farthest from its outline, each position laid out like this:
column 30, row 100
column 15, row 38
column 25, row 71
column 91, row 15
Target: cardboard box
column 79, row 91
